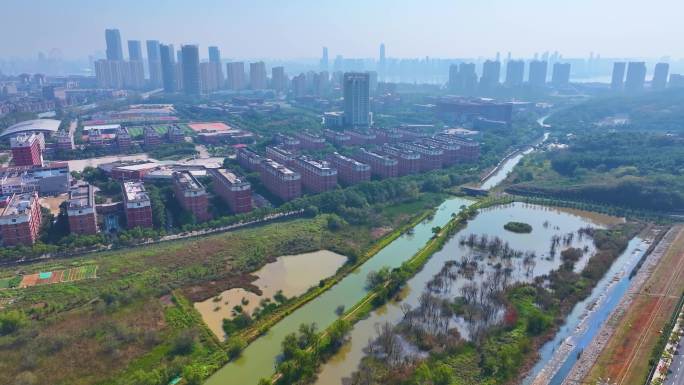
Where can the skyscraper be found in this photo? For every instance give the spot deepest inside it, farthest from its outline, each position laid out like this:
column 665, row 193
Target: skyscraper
column 491, row 73
column 209, row 80
column 135, row 50
column 191, row 69
column 537, row 76
column 324, row 59
column 468, row 77
column 357, row 99
column 561, row 74
column 618, row 80
column 235, row 75
column 154, row 63
column 382, row 64
column 278, row 79
column 515, row 72
column 257, row 75
column 454, row 79
column 215, row 64
column 168, row 68
column 113, row 40
column 636, row 76
column 660, row 76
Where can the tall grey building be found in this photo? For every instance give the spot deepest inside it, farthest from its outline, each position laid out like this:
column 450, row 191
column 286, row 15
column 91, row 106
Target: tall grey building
column 135, row 50
column 154, row 63
column 215, row 64
column 191, row 69
column 537, row 76
column 357, row 99
column 324, row 59
column 168, row 68
column 561, row 74
column 257, row 76
column 618, row 80
column 235, row 75
column 660, row 76
column 113, row 40
column 636, row 76
column 515, row 72
column 467, row 77
column 278, row 79
column 491, row 74
column 454, row 79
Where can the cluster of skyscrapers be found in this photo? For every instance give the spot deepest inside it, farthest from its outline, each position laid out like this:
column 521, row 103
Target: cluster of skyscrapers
column 631, row 76
column 463, row 76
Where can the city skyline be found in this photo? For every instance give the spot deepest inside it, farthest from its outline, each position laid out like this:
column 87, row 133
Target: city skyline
column 353, row 31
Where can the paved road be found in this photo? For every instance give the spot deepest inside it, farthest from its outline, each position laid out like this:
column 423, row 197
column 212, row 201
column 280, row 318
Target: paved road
column 676, row 377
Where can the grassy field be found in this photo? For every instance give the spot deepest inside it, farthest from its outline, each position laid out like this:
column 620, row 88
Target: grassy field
column 136, row 318
column 625, row 359
column 160, row 128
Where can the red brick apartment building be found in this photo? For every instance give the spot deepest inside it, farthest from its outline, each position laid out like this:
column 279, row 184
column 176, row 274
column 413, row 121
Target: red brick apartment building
column 310, row 141
column 387, row 136
column 123, row 139
column 81, row 210
column 249, row 160
column 281, row 155
column 431, row 158
column 281, row 181
column 137, row 205
column 20, row 220
column 381, row 166
column 409, row 161
column 191, row 195
column 317, row 175
column 349, row 171
column 469, row 150
column 236, row 192
column 151, row 137
column 360, row 138
column 175, row 134
column 288, row 142
column 336, row 137
column 26, row 150
column 451, row 151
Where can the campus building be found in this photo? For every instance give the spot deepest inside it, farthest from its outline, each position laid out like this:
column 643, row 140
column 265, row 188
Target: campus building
column 81, row 210
column 20, row 220
column 317, row 175
column 381, row 166
column 431, row 158
column 336, row 137
column 281, row 155
column 191, row 195
column 349, row 171
column 469, row 150
column 360, row 138
column 281, row 181
column 151, row 137
column 409, row 161
column 26, row 150
column 137, row 205
column 235, row 191
column 310, row 141
column 249, row 160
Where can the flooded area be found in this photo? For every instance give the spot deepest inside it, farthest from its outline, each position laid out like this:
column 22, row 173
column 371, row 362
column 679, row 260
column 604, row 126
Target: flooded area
column 258, row 359
column 292, row 275
column 546, row 223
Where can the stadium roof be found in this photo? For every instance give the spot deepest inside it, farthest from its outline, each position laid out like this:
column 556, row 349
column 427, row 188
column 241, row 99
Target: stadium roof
column 36, row 125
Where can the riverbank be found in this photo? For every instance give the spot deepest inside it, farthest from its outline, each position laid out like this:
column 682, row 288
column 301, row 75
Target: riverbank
column 623, row 348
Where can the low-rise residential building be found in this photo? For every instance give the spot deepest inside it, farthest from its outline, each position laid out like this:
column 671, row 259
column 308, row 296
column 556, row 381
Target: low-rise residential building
column 175, row 134
column 65, row 140
column 310, row 141
column 123, row 139
column 381, row 166
column 337, row 138
column 361, row 138
column 317, row 175
column 191, row 195
column 20, row 220
column 81, row 210
column 409, row 161
column 235, row 191
column 151, row 137
column 137, row 205
column 288, row 142
column 349, row 171
column 281, row 181
column 281, row 155
column 469, row 150
column 249, row 160
column 431, row 158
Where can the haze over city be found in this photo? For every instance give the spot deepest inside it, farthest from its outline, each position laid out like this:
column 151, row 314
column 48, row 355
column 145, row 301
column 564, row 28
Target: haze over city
column 297, row 29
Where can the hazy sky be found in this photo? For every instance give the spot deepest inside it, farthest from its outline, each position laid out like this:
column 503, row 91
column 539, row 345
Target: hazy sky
column 353, row 28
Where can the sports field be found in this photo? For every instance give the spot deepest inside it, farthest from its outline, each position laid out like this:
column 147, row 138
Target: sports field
column 625, row 358
column 209, row 127
column 58, row 276
column 138, row 130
